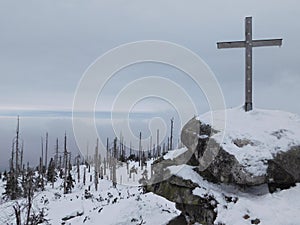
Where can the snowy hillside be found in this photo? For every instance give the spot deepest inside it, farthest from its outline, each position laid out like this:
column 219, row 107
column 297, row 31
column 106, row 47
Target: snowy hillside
column 221, row 194
column 126, row 204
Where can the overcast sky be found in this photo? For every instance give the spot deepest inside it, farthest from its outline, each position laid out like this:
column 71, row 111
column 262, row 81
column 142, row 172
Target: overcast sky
column 45, row 47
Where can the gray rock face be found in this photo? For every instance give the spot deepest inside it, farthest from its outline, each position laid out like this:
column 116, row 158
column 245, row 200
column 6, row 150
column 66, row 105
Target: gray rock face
column 178, row 190
column 283, row 171
column 190, row 134
column 224, row 168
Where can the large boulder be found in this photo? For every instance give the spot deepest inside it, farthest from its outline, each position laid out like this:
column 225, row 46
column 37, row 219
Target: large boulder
column 224, row 168
column 245, row 157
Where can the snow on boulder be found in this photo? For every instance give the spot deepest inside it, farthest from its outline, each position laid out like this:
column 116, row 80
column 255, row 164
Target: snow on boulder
column 260, row 146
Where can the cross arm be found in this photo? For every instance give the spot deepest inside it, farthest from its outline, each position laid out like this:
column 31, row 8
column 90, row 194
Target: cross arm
column 268, row 42
column 231, row 44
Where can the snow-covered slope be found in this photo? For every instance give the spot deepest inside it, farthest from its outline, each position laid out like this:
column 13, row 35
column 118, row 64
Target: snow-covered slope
column 124, row 205
column 254, row 137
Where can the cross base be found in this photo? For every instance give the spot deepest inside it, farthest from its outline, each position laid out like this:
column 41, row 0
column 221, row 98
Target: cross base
column 248, row 106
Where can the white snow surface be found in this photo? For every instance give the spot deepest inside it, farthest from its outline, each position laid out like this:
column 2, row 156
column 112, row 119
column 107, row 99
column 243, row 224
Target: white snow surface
column 175, row 153
column 277, row 209
column 269, row 131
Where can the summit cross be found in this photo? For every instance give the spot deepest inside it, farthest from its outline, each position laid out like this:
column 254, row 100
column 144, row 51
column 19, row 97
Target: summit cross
column 248, row 44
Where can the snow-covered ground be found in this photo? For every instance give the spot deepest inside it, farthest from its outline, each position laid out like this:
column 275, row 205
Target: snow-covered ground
column 266, row 131
column 126, row 204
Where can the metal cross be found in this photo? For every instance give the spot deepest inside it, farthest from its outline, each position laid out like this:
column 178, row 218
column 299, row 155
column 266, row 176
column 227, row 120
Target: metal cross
column 249, row 44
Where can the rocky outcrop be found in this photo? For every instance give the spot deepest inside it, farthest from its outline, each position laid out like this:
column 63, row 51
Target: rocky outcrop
column 283, row 171
column 227, row 163
column 178, row 190
column 226, row 169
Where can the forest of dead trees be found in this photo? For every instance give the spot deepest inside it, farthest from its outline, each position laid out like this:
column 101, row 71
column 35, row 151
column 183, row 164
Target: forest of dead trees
column 22, row 180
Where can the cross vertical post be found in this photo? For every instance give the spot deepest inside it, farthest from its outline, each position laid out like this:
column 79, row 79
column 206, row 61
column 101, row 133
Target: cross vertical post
column 248, row 65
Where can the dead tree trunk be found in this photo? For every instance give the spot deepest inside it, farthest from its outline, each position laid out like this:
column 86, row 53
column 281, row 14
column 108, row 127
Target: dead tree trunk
column 42, row 146
column 56, row 155
column 96, row 167
column 78, row 168
column 17, row 214
column 171, row 137
column 140, row 150
column 107, row 153
column 22, row 153
column 157, row 145
column 114, row 169
column 65, row 164
column 150, row 147
column 84, row 176
column 104, row 167
column 130, row 149
column 29, row 195
column 17, row 148
column 46, row 151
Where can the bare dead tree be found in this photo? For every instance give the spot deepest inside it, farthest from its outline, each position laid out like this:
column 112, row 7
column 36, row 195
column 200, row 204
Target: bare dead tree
column 87, row 153
column 78, row 168
column 29, row 194
column 17, row 213
column 107, row 153
column 84, row 175
column 96, row 166
column 69, row 163
column 171, row 137
column 130, row 149
column 17, row 147
column 100, row 168
column 46, row 150
column 22, row 154
column 12, row 157
column 56, row 155
column 140, row 150
column 114, row 169
column 157, row 145
column 150, row 145
column 42, row 146
column 104, row 167
column 41, row 175
column 59, row 163
column 65, row 164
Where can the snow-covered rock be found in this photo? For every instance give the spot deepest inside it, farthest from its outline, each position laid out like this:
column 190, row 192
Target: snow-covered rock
column 257, row 146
